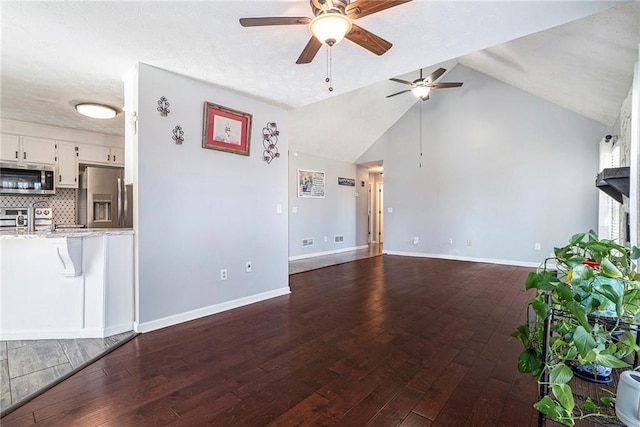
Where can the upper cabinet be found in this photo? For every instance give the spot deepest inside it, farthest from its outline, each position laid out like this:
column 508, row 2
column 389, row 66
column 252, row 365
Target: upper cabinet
column 27, row 150
column 117, row 156
column 67, row 164
column 100, row 155
column 10, row 148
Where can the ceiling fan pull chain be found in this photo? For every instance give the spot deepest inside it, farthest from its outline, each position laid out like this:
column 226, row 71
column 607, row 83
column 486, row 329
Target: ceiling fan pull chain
column 329, row 77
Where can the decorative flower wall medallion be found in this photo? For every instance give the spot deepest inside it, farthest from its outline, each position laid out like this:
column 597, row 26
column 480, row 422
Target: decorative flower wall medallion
column 178, row 134
column 270, row 142
column 163, row 106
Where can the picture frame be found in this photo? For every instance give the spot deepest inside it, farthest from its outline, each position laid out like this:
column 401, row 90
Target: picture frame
column 226, row 129
column 311, row 183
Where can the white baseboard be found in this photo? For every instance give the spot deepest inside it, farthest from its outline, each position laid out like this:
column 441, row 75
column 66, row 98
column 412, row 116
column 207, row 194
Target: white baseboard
column 52, row 334
column 464, row 258
column 118, row 329
column 207, row 311
column 336, row 251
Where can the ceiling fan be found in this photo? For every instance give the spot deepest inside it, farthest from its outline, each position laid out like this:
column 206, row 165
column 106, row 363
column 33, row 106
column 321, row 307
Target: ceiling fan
column 333, row 21
column 422, row 86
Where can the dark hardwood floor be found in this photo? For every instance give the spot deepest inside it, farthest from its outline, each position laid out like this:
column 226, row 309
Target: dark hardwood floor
column 383, row 341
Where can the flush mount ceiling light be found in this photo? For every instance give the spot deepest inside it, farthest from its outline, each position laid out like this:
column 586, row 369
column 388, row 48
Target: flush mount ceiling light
column 330, row 28
column 96, row 111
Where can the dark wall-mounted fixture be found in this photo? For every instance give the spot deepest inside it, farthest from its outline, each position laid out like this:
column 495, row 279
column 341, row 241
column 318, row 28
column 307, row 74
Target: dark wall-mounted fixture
column 614, row 182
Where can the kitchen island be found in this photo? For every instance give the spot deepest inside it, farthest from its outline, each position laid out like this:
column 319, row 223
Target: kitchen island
column 66, row 284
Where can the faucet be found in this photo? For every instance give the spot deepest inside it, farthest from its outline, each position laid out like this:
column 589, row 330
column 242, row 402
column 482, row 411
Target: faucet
column 31, row 214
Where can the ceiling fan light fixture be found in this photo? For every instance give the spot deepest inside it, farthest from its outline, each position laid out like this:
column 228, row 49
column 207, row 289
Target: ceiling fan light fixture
column 330, row 28
column 96, row 111
column 420, row 91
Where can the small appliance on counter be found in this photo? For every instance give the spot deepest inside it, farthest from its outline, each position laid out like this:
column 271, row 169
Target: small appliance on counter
column 103, row 199
column 19, row 219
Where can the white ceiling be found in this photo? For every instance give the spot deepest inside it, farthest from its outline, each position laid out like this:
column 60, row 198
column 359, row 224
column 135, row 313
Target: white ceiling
column 55, row 54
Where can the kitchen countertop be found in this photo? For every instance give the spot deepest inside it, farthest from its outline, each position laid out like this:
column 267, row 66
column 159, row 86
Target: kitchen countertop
column 78, row 232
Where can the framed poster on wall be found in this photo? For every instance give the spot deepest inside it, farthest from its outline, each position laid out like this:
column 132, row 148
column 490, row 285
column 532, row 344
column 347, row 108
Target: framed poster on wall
column 226, row 129
column 310, row 183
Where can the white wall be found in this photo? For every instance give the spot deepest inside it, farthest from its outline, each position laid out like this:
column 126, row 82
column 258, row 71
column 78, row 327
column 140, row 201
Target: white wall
column 340, row 212
column 199, row 211
column 501, row 168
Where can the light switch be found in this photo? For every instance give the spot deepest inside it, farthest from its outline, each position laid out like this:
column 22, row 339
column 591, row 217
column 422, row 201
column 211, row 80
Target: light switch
column 294, row 209
column 279, row 208
column 390, row 210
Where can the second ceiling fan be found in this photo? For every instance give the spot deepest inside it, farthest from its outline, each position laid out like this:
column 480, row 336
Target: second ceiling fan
column 422, row 87
column 333, row 21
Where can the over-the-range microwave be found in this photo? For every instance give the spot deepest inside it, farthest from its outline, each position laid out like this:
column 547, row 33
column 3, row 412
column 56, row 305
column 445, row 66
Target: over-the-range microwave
column 27, row 179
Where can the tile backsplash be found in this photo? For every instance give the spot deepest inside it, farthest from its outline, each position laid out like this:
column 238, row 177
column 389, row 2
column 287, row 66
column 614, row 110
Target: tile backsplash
column 63, row 204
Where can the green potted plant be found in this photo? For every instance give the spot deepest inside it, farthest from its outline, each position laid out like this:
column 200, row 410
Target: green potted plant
column 582, row 321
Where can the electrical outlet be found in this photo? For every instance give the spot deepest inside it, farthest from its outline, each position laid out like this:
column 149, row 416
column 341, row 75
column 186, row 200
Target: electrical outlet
column 248, row 266
column 450, row 241
column 416, row 240
column 279, row 208
column 389, row 210
column 223, row 274
column 536, row 246
column 469, row 242
column 325, row 239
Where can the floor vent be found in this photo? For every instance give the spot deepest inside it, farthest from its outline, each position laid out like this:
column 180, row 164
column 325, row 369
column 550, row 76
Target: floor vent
column 339, row 239
column 307, row 242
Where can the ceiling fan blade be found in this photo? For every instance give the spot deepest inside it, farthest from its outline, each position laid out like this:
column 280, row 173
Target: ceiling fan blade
column 444, row 85
column 368, row 40
column 435, row 75
column 360, row 8
column 309, row 52
column 404, row 82
column 398, row 93
column 261, row 22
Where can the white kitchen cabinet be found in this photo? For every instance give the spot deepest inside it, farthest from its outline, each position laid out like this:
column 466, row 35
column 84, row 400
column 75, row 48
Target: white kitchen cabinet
column 9, row 148
column 94, row 154
column 28, row 150
column 117, row 156
column 100, row 155
column 67, row 164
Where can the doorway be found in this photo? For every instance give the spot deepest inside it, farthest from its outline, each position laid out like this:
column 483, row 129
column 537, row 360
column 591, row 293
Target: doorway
column 380, row 211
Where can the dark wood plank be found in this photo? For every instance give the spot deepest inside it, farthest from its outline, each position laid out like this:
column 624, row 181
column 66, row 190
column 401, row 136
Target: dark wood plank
column 383, row 341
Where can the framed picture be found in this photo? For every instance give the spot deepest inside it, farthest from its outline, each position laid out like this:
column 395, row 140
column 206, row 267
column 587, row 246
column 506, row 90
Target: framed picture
column 310, row 183
column 226, row 129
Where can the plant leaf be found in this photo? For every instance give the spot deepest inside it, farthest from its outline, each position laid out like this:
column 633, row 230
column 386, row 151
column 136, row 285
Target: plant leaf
column 610, row 270
column 610, row 361
column 579, row 313
column 528, row 361
column 563, row 393
column 584, row 341
column 635, row 253
column 547, row 406
column 575, row 260
column 564, row 291
column 560, row 374
column 540, row 307
column 576, row 238
column 588, row 404
column 532, row 281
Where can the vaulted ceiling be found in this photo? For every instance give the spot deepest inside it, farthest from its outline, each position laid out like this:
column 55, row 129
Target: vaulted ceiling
column 578, row 54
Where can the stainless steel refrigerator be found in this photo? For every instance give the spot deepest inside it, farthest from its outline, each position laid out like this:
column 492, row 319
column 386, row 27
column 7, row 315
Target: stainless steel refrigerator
column 103, row 199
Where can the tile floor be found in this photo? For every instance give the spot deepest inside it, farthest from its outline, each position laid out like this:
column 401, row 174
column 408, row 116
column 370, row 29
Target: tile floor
column 28, row 366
